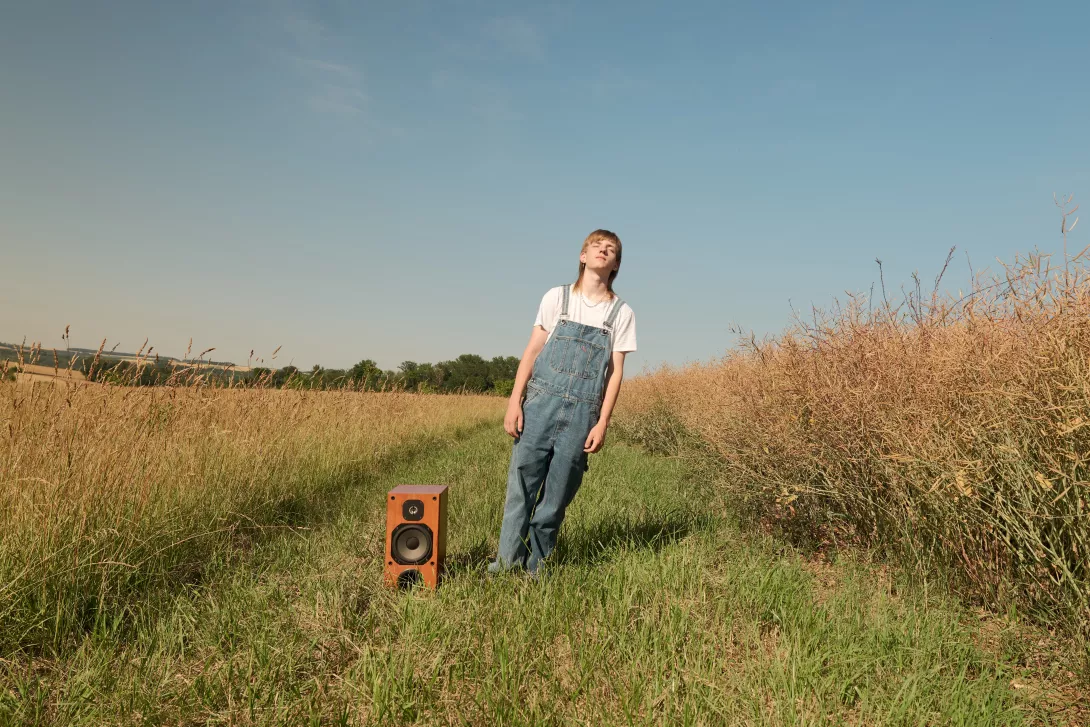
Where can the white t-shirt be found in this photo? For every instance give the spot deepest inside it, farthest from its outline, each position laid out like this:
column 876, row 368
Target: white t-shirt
column 581, row 311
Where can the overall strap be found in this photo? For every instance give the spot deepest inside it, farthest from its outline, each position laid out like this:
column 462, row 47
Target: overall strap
column 564, row 306
column 612, row 318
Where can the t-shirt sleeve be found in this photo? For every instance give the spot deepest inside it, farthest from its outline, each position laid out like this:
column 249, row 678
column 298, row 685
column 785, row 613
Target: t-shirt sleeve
column 549, row 310
column 624, row 335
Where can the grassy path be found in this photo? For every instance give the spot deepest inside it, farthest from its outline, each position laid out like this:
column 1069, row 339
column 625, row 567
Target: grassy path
column 658, row 612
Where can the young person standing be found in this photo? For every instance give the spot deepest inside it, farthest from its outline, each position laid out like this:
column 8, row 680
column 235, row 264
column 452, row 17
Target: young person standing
column 571, row 374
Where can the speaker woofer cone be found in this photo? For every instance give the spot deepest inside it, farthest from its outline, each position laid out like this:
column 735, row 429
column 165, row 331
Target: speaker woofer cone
column 410, row 544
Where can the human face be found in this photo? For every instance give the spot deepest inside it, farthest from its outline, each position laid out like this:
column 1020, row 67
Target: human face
column 600, row 255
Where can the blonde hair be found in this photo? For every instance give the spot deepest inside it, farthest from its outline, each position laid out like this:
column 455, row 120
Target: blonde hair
column 592, row 238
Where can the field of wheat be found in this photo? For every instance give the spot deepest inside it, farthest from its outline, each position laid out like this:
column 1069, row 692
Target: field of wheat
column 953, row 431
column 109, row 494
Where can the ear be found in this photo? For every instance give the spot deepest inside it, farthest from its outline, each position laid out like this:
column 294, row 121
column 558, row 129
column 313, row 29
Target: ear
column 583, row 258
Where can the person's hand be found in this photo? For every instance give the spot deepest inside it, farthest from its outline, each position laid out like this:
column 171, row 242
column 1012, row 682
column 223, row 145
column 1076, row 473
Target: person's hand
column 595, row 439
column 512, row 421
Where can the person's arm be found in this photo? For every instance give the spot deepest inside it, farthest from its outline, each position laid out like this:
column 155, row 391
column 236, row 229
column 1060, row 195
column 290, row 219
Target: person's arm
column 512, row 421
column 614, row 374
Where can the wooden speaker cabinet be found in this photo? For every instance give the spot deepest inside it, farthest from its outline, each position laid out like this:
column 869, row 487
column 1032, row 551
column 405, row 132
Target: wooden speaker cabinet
column 416, row 535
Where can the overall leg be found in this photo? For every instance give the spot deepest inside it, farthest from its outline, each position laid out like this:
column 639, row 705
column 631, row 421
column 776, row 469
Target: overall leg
column 526, row 475
column 564, row 477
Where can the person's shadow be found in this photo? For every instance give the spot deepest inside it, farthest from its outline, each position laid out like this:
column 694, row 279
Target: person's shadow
column 594, row 543
column 599, row 542
column 475, row 558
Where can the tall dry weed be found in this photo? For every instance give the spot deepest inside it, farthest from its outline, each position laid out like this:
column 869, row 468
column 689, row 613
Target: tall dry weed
column 952, row 430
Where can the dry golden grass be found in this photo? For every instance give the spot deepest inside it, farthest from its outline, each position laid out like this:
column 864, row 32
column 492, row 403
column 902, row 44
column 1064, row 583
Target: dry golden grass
column 50, row 372
column 106, row 492
column 30, row 373
column 43, row 378
column 955, row 432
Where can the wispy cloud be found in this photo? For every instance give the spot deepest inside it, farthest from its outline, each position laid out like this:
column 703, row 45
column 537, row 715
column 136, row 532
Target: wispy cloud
column 331, row 83
column 334, row 99
column 305, row 30
column 487, row 100
column 321, row 65
column 780, row 80
column 516, row 35
column 609, row 84
column 332, row 87
column 470, row 75
column 496, row 39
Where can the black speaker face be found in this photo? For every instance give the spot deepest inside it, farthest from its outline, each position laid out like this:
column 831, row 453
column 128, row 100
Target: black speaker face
column 410, row 544
column 412, row 510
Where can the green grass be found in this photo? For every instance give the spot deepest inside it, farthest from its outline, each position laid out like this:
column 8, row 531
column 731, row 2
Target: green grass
column 656, row 610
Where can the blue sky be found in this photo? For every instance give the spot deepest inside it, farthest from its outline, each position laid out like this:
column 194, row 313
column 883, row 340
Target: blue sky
column 405, row 180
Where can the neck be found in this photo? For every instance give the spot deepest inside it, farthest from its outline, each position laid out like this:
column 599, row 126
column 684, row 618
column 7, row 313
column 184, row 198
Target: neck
column 592, row 285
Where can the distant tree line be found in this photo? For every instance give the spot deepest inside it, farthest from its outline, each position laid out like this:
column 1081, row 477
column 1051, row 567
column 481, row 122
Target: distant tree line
column 468, row 373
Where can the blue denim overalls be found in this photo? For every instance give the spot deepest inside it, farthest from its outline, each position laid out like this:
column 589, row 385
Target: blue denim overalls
column 562, row 404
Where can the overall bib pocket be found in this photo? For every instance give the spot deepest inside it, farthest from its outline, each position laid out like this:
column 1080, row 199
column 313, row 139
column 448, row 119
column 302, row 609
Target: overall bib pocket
column 580, row 357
